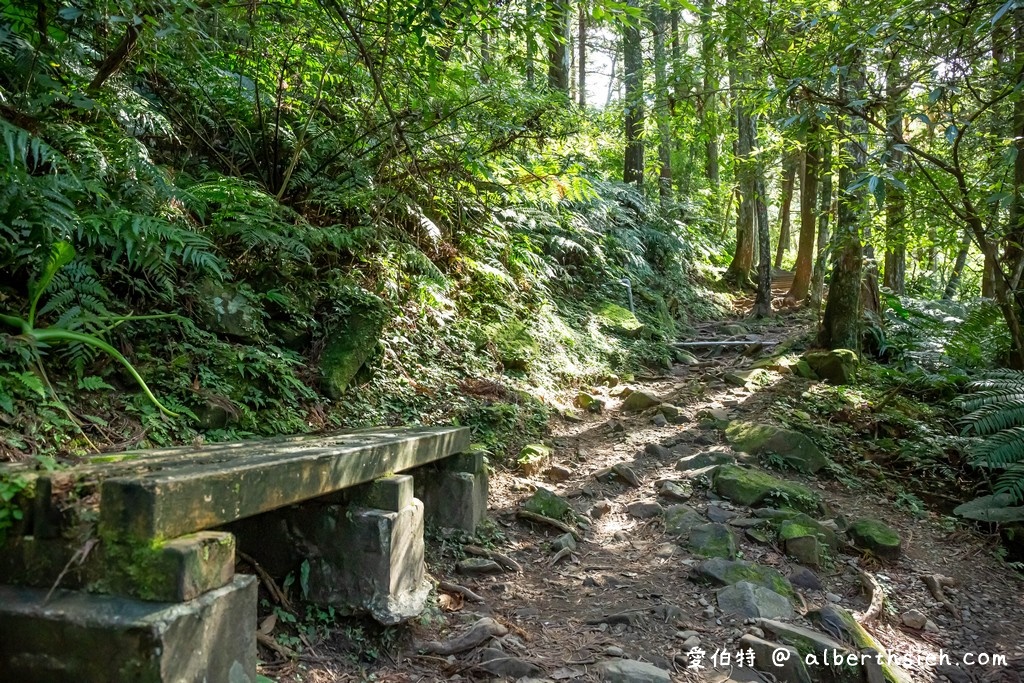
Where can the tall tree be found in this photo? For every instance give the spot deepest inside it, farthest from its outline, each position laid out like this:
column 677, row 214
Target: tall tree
column 790, row 162
column 709, row 93
column 824, row 241
column 558, row 45
column 661, row 99
column 895, row 264
column 633, row 79
column 809, row 167
column 746, row 173
column 763, row 300
column 841, row 325
column 581, row 59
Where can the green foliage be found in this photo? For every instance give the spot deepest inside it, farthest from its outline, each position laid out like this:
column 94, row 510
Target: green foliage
column 996, row 403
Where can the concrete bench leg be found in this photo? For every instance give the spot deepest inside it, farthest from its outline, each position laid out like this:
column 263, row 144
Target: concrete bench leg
column 83, row 637
column 454, row 491
column 368, row 555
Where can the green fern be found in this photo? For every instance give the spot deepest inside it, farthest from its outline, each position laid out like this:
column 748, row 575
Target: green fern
column 996, row 405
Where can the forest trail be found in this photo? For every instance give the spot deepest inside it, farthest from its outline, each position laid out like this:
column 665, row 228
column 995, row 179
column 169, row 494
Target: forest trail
column 627, row 590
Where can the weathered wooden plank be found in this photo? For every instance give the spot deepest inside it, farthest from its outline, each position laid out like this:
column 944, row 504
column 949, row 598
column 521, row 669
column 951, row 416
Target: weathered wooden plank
column 180, row 500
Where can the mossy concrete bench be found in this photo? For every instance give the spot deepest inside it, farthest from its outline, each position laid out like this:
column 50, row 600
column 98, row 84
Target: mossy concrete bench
column 136, row 551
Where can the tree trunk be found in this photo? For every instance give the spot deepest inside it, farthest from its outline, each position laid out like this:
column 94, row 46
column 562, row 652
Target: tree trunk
column 808, row 196
column 817, row 293
column 841, row 324
column 743, row 259
column 763, row 301
column 558, row 45
column 581, row 60
column 611, row 79
column 531, row 46
column 895, row 264
column 953, row 284
column 789, row 168
column 116, row 59
column 661, row 107
column 633, row 77
column 709, row 95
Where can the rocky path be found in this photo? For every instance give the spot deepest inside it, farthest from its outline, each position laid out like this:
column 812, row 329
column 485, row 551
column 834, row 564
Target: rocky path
column 681, row 556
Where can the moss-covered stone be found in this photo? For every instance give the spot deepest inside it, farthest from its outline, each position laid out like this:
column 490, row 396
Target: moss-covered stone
column 547, row 503
column 835, row 619
column 751, row 600
column 796, row 449
column 747, row 378
column 681, row 519
column 712, row 540
column 725, row 572
column 752, row 487
column 618, row 319
column 533, row 458
column 838, row 366
column 348, row 345
column 876, row 537
column 639, row 400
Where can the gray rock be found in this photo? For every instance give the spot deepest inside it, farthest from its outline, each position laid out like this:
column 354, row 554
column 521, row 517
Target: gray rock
column 638, row 401
column 790, row 670
column 644, row 510
column 557, row 473
column 691, row 642
column 658, row 451
column 914, row 619
column 727, row 572
column 712, row 540
column 681, row 519
column 563, row 542
column 674, row 490
column 803, row 577
column 600, row 509
column 626, row 473
column 876, row 536
column 631, row 671
column 705, row 459
column 719, row 515
column 749, row 600
column 499, row 663
column 659, row 420
column 838, row 366
column 833, row 598
column 475, row 566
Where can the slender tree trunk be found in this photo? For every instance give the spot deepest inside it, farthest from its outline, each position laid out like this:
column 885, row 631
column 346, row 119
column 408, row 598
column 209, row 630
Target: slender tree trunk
column 895, row 264
column 612, row 78
column 581, row 60
column 633, row 77
column 841, row 324
column 743, row 259
column 988, row 278
column 531, row 46
column 808, row 196
column 763, row 300
column 679, row 86
column 817, row 293
column 661, row 106
column 709, row 95
column 116, row 59
column 789, row 168
column 955, row 275
column 558, row 45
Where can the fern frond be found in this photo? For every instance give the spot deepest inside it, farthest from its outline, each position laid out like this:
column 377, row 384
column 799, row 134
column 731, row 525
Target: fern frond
column 999, row 450
column 994, row 417
column 1012, row 482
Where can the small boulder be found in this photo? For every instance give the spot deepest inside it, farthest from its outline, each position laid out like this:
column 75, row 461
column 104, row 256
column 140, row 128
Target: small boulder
column 659, row 420
column 589, row 402
column 838, row 366
column 681, row 519
column 477, row 566
column 499, row 663
column 751, row 487
column 600, row 509
column 626, row 474
column 876, row 537
column 658, row 451
column 802, row 577
column 796, row 449
column 675, row 490
column 638, row 401
column 557, row 473
column 747, row 378
column 705, row 459
column 644, row 510
column 728, row 572
column 752, row 601
column 547, row 503
column 533, row 458
column 563, row 542
column 712, row 540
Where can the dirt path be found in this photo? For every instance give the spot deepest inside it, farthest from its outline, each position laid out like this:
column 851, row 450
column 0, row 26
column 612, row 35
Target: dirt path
column 627, row 590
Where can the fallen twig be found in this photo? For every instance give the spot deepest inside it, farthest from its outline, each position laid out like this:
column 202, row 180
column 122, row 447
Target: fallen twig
column 275, row 592
column 460, row 590
column 541, row 519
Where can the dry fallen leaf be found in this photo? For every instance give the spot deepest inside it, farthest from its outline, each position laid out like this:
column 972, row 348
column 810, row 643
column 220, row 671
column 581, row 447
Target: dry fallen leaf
column 450, row 603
